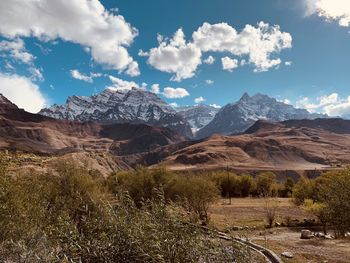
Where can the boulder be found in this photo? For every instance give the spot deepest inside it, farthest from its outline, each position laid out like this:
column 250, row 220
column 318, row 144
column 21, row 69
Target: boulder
column 287, row 255
column 320, row 235
column 306, row 234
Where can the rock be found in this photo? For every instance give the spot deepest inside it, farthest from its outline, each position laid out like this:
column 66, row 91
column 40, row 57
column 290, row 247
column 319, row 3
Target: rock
column 277, row 224
column 328, row 236
column 347, row 234
column 320, row 235
column 287, row 255
column 237, row 228
column 306, row 234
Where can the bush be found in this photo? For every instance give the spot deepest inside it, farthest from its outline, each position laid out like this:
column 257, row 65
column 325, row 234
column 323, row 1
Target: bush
column 247, row 185
column 194, row 193
column 72, row 216
column 334, row 193
column 302, row 190
column 264, row 182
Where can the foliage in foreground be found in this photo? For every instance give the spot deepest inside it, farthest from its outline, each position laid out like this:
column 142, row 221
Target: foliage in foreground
column 73, row 217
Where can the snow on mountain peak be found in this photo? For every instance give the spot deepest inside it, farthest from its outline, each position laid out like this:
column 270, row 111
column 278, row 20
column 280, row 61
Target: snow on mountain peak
column 135, row 105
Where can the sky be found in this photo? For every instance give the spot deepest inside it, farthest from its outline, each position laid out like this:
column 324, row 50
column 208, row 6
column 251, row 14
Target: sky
column 186, row 51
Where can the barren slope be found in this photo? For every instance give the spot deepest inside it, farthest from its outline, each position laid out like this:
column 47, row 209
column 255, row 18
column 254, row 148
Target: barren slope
column 268, row 146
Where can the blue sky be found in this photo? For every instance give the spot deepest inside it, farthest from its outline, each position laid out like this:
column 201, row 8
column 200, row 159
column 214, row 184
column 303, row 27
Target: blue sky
column 310, row 70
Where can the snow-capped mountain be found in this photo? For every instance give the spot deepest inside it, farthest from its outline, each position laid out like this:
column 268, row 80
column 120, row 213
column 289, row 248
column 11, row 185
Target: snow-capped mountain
column 236, row 117
column 198, row 116
column 134, row 106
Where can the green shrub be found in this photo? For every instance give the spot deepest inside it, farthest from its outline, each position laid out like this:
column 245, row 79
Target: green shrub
column 71, row 216
column 302, row 190
column 264, row 183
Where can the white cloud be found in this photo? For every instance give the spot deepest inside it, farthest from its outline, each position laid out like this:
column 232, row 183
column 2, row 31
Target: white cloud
column 331, row 104
column 229, row 63
column 331, row 10
column 133, row 69
column 199, row 100
column 16, row 50
column 209, row 82
column 215, row 106
column 174, row 105
column 36, row 74
column 119, row 84
column 288, row 63
column 81, row 76
column 209, row 60
column 260, row 44
column 155, row 88
column 143, row 53
column 85, row 22
column 176, row 56
column 175, row 93
column 22, row 91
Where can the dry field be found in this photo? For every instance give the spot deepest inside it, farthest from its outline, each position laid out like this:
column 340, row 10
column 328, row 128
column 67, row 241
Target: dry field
column 250, row 213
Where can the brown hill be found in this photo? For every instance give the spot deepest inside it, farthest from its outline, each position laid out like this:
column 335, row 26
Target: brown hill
column 291, row 145
column 23, row 131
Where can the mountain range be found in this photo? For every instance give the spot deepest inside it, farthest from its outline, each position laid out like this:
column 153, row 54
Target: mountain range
column 305, row 144
column 121, row 106
column 199, row 121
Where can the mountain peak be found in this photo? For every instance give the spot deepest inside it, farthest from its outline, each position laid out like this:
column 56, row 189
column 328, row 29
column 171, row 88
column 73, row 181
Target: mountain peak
column 235, row 118
column 113, row 105
column 6, row 102
column 245, row 97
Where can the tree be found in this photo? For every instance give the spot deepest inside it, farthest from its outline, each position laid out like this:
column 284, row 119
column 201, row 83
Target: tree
column 302, row 190
column 320, row 210
column 247, row 185
column 264, row 183
column 196, row 193
column 334, row 193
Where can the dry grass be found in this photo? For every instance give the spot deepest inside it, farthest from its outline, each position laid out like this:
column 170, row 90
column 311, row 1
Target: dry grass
column 251, row 212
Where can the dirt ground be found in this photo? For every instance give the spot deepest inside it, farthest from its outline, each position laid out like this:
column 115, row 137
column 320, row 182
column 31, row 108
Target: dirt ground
column 249, row 215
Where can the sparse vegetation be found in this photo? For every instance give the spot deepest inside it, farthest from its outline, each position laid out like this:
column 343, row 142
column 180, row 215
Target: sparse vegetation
column 72, row 216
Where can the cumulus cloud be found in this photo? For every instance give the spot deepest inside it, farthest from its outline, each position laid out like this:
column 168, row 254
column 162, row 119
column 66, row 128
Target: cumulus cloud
column 209, row 60
column 215, row 106
column 175, row 93
column 85, row 22
column 331, row 104
column 81, row 76
column 229, row 63
column 155, row 88
column 260, row 44
column 22, row 91
column 209, row 82
column 176, row 56
column 257, row 43
column 16, row 50
column 174, row 105
column 331, row 10
column 288, row 63
column 199, row 100
column 120, row 84
column 36, row 74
